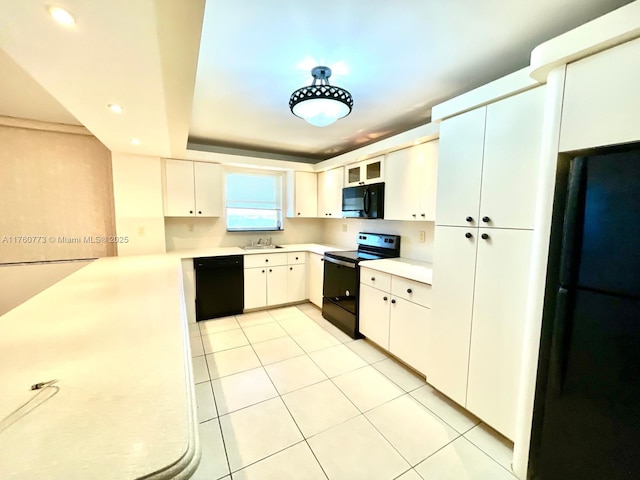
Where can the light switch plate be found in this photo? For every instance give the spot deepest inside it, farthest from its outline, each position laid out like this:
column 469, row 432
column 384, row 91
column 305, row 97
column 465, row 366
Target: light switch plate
column 422, row 236
column 344, row 227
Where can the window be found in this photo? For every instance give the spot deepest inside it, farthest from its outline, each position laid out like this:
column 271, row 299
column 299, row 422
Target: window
column 254, row 201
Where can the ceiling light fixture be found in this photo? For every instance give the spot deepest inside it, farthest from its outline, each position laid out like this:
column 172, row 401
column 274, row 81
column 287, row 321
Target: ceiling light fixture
column 62, row 16
column 321, row 104
column 115, row 108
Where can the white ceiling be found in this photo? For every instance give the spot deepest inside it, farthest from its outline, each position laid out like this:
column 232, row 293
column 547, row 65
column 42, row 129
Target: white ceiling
column 231, row 89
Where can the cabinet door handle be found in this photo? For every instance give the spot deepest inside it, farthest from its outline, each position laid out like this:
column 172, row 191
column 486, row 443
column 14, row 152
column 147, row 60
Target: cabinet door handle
column 409, row 290
column 393, row 301
column 190, row 211
column 486, row 219
column 413, row 215
column 468, row 235
column 266, row 260
column 199, row 212
column 385, row 298
column 469, row 219
column 298, row 213
column 373, row 279
column 270, row 270
column 322, row 259
column 423, row 214
column 296, row 258
column 485, row 236
column 262, row 271
column 290, row 268
column 330, row 214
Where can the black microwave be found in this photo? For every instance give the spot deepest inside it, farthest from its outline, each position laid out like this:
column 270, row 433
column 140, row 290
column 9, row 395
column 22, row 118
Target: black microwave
column 363, row 201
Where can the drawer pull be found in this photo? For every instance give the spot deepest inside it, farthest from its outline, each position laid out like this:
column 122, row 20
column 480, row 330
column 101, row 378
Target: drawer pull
column 373, row 279
column 385, row 298
column 409, row 290
column 393, row 301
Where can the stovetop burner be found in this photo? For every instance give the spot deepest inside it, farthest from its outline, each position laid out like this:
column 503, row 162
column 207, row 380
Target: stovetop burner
column 371, row 246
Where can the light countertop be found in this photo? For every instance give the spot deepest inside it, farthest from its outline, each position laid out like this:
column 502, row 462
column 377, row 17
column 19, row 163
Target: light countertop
column 114, row 336
column 221, row 251
column 402, row 267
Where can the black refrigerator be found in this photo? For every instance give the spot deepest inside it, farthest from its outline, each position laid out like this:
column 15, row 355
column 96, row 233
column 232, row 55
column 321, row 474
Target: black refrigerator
column 587, row 409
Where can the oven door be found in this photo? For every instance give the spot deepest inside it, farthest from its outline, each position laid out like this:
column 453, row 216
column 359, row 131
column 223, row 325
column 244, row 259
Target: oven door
column 341, row 283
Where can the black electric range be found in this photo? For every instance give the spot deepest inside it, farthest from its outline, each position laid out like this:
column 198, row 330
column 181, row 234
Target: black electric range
column 342, row 278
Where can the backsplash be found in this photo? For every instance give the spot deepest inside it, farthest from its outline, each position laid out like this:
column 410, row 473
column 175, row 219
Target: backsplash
column 410, row 246
column 183, row 233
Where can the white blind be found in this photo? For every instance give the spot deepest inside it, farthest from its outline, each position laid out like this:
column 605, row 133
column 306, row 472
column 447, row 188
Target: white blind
column 255, row 191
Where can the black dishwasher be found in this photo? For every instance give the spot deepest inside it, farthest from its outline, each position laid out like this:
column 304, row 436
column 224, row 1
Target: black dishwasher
column 219, row 286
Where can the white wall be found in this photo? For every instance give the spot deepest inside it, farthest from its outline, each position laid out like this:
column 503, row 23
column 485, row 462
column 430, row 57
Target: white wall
column 137, row 192
column 182, row 233
column 410, row 246
column 20, row 282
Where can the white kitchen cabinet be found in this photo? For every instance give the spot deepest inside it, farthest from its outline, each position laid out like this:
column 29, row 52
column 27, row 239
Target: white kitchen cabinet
column 274, row 279
column 475, row 334
column 497, row 330
column 410, row 183
column 330, row 193
column 394, row 313
column 255, row 287
column 302, row 194
column 488, row 162
column 601, row 102
column 296, row 283
column 374, row 315
column 449, row 330
column 316, row 278
column 277, row 286
column 364, row 172
column 192, row 189
column 408, row 331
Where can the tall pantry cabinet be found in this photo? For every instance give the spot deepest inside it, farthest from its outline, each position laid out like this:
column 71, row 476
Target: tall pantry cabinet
column 487, row 172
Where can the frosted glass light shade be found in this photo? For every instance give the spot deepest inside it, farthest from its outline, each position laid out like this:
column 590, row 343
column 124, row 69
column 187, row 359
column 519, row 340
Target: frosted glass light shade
column 321, row 112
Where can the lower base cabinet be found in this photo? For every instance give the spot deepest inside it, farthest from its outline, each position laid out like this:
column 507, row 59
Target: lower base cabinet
column 475, row 336
column 316, row 278
column 393, row 320
column 274, row 279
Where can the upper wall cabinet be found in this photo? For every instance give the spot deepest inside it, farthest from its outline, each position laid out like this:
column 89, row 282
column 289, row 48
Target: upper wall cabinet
column 192, row 189
column 410, row 183
column 302, row 194
column 601, row 101
column 488, row 164
column 364, row 172
column 330, row 193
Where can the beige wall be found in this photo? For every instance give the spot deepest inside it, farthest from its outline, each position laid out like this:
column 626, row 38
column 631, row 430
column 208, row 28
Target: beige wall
column 18, row 283
column 410, row 246
column 56, row 193
column 137, row 191
column 182, row 233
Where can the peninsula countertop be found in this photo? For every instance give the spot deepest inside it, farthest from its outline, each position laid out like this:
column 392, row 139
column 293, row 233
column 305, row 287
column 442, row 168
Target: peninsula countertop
column 114, row 336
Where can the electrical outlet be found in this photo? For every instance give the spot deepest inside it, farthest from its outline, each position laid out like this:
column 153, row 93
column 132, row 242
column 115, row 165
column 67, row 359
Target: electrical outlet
column 344, row 227
column 190, row 227
column 422, row 236
column 140, row 231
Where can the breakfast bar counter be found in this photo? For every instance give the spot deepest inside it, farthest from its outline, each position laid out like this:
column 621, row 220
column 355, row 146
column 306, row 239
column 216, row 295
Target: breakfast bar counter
column 113, row 337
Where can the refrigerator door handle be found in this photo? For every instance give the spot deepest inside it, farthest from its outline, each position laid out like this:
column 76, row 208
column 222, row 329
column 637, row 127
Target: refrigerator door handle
column 573, row 222
column 559, row 344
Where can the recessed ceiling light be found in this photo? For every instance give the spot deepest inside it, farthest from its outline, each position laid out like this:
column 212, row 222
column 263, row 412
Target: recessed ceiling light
column 62, row 16
column 115, row 108
column 135, row 141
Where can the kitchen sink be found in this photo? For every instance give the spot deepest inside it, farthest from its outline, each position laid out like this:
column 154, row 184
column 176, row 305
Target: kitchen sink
column 260, row 247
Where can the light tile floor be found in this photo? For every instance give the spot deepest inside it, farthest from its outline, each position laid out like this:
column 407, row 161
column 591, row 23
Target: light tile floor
column 283, row 394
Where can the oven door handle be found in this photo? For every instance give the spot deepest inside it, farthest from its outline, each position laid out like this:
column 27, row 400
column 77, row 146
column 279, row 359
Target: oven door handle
column 340, row 262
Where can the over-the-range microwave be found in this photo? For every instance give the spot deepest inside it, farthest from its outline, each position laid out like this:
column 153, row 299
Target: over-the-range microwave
column 363, row 201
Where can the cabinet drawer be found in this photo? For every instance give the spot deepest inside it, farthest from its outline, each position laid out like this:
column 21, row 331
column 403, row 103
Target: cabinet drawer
column 296, row 258
column 265, row 259
column 374, row 278
column 411, row 290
